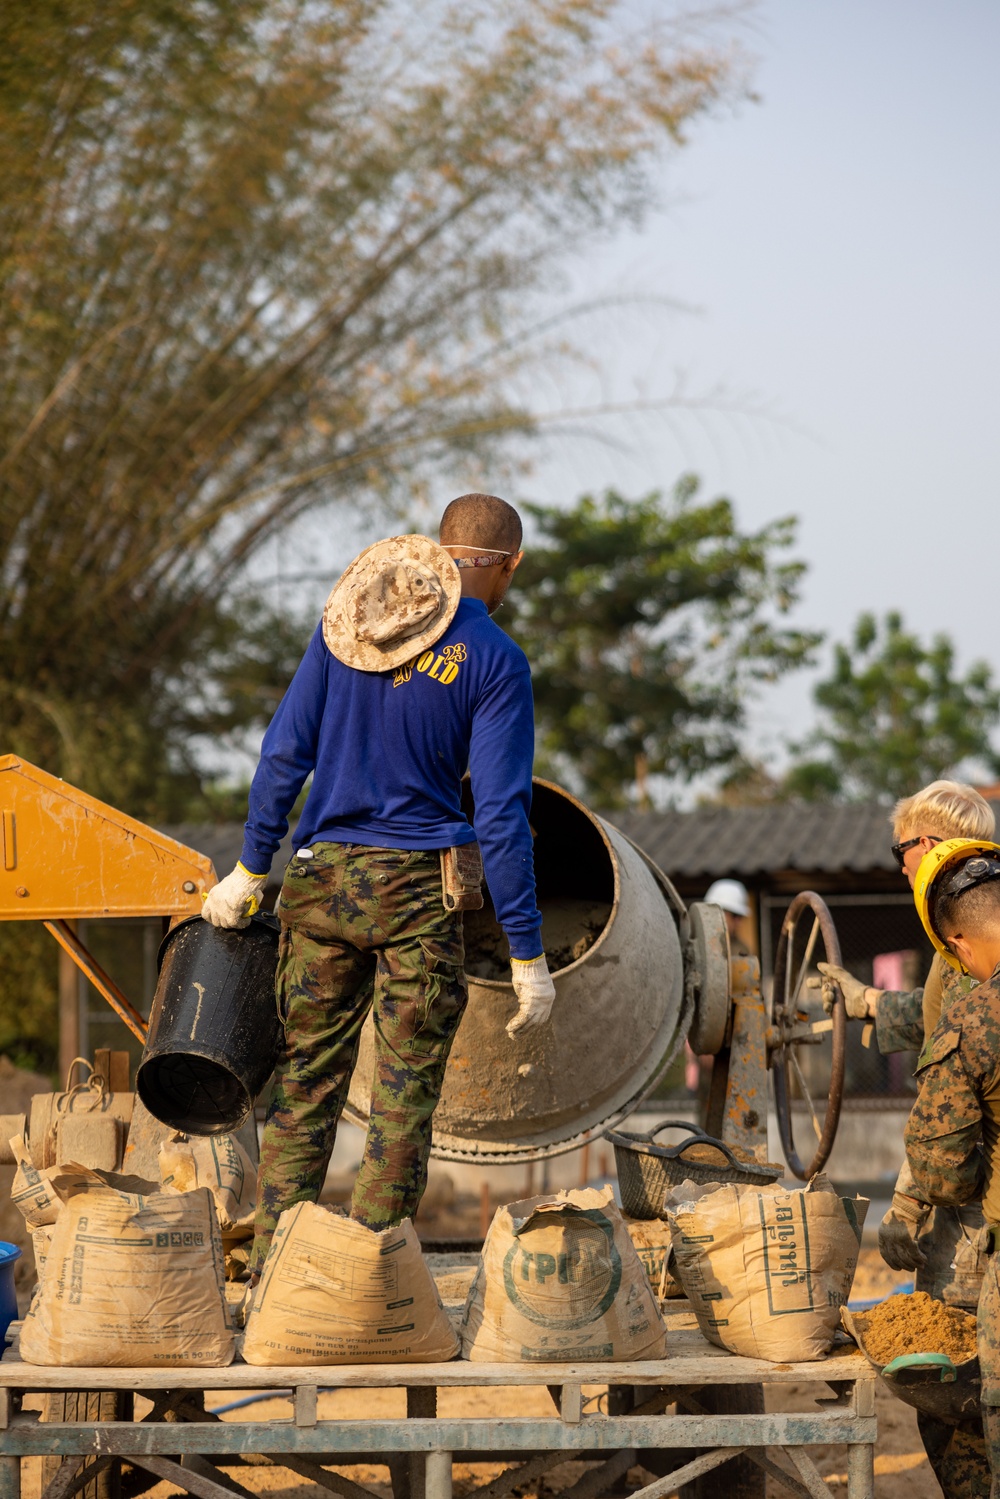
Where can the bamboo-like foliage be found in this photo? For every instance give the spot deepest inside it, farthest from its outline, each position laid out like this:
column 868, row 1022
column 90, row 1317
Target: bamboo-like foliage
column 258, row 256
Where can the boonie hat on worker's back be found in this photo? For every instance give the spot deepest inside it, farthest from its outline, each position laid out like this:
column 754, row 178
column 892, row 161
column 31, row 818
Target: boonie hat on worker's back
column 395, row 600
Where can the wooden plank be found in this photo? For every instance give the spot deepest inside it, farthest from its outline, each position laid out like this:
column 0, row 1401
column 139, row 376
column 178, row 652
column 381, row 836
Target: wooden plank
column 10, row 1478
column 306, row 1397
column 691, row 1470
column 520, row 1474
column 185, row 1478
column 457, row 1435
column 811, row 1476
column 715, row 1367
column 599, row 1480
column 571, row 1403
column 198, row 1464
column 336, row 1483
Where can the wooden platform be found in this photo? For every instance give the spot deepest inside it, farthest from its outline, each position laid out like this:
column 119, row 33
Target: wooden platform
column 662, row 1415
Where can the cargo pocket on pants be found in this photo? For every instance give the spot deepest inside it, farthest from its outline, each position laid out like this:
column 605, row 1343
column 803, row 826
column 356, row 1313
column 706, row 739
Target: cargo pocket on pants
column 443, row 999
column 281, row 977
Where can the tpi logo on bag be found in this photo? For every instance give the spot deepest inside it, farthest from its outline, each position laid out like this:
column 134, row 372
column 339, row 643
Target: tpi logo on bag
column 564, row 1271
column 785, row 1240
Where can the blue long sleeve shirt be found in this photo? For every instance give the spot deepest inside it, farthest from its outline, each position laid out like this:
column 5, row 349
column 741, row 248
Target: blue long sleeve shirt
column 388, row 751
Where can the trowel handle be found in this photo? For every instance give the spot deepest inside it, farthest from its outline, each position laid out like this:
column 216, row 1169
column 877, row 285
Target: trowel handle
column 939, row 1361
column 692, row 1129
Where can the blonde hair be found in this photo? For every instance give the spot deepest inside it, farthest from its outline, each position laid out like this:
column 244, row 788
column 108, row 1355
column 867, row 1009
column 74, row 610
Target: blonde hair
column 944, row 809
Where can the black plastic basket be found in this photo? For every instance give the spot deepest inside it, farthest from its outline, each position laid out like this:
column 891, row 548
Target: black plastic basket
column 646, row 1171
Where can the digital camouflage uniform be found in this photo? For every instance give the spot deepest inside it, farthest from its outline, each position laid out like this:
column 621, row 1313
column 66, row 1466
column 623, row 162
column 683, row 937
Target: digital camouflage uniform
column 954, row 1269
column 360, row 927
column 953, row 1148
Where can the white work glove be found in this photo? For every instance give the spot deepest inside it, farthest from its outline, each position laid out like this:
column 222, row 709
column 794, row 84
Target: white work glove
column 860, row 999
column 234, row 900
column 897, row 1233
column 535, row 992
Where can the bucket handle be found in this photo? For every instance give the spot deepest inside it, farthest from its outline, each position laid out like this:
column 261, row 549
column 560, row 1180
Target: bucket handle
column 699, row 1137
column 95, row 1085
column 692, row 1129
column 938, row 1362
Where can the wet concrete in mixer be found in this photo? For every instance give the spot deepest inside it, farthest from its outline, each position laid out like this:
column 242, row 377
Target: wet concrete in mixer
column 569, row 930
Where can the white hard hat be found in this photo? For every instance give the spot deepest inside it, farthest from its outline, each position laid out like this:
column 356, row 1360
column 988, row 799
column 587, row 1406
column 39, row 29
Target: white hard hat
column 730, row 895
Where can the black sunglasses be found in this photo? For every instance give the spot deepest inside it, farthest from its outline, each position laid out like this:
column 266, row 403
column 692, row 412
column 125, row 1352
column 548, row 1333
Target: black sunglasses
column 899, row 849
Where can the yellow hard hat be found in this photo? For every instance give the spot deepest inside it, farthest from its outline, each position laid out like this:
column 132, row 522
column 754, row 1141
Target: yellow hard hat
column 960, row 856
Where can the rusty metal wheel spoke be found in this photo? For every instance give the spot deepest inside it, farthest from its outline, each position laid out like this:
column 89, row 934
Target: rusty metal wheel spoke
column 788, row 1030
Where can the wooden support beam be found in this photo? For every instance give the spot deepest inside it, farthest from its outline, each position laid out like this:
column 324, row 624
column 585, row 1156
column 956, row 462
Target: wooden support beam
column 306, row 1399
column 598, row 1480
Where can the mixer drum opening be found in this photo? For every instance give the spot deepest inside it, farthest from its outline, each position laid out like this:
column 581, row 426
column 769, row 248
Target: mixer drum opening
column 615, row 956
column 575, row 880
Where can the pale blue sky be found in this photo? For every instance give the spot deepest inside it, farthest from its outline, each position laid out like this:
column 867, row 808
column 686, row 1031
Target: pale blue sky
column 837, row 244
column 841, row 240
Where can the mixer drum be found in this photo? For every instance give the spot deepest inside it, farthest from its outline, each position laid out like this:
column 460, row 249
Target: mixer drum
column 615, row 957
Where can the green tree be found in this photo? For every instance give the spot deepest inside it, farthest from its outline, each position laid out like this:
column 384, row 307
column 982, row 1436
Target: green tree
column 894, row 715
column 257, row 257
column 647, row 623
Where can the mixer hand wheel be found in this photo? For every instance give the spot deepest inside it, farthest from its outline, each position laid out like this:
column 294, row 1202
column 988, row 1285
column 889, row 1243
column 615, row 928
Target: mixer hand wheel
column 807, row 923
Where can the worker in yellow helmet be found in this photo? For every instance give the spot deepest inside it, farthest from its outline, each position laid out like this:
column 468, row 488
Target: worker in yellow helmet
column 952, row 1137
column 912, row 1236
column 937, row 1243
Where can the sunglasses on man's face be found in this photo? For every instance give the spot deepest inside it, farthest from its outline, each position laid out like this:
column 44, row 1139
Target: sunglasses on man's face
column 898, row 850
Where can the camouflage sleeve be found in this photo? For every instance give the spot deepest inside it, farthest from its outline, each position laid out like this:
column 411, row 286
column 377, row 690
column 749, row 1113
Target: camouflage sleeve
column 899, row 1021
column 943, row 1134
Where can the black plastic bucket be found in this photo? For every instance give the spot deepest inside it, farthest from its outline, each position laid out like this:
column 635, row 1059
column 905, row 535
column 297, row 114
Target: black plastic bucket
column 214, row 1030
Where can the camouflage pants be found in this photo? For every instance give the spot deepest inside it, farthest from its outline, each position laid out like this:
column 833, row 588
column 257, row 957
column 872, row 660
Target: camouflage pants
column 957, row 1454
column 360, row 928
column 988, row 1340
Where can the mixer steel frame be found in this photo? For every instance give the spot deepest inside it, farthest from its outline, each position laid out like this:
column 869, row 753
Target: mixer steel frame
column 420, row 1450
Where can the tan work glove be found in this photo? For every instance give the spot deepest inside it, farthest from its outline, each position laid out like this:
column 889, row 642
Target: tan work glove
column 234, row 900
column 535, row 992
column 897, row 1233
column 860, row 999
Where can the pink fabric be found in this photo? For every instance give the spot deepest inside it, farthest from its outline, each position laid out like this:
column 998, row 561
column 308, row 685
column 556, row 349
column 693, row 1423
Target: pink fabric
column 887, row 969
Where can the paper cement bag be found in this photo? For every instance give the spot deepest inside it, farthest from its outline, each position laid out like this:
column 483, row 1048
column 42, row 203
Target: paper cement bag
column 766, row 1270
column 219, row 1163
column 651, row 1237
column 335, row 1292
column 560, row 1280
column 131, row 1281
column 39, row 1194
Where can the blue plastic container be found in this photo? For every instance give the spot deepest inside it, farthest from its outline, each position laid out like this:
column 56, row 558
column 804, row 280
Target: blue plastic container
column 9, row 1255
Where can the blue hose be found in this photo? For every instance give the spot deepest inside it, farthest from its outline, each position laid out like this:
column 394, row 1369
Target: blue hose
column 235, row 1405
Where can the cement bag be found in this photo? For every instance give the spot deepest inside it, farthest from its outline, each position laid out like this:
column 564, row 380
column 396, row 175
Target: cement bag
column 651, row 1237
column 39, row 1194
column 766, row 1270
column 335, row 1292
column 219, row 1163
column 560, row 1279
column 129, row 1281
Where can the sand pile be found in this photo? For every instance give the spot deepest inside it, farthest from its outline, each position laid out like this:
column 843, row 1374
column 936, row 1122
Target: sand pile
column 917, row 1324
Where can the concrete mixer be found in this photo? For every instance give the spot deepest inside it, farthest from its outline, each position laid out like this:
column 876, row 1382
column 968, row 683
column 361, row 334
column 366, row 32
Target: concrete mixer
column 637, row 974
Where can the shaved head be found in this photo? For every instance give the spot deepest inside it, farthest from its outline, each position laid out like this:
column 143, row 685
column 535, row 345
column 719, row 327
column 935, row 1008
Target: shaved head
column 974, row 912
column 481, row 520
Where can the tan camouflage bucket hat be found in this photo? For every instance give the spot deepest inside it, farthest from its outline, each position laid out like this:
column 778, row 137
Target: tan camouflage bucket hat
column 394, row 601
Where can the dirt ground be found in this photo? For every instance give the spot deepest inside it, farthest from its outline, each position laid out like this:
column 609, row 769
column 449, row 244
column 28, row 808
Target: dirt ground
column 901, row 1469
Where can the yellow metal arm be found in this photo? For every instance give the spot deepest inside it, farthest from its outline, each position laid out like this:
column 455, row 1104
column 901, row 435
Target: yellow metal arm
column 63, row 854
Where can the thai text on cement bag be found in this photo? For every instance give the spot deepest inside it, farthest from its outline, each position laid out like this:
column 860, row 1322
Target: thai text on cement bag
column 766, row 1270
column 131, row 1281
column 335, row 1292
